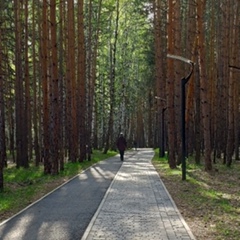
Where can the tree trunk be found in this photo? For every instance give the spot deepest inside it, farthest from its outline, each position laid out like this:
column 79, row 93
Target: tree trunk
column 178, row 74
column 140, row 126
column 232, row 84
column 197, row 119
column 150, row 119
column 19, row 103
column 170, row 91
column 71, row 66
column 61, row 85
column 2, row 115
column 81, row 83
column 222, row 84
column 35, row 92
column 159, row 73
column 44, row 64
column 204, row 85
column 54, row 121
column 27, row 111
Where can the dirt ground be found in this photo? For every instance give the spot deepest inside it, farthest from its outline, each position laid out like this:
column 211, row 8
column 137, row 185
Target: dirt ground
column 212, row 214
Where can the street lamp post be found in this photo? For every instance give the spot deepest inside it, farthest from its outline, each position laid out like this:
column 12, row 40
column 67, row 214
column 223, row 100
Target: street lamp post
column 183, row 107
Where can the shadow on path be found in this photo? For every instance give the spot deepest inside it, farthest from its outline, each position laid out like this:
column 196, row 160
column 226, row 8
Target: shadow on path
column 65, row 213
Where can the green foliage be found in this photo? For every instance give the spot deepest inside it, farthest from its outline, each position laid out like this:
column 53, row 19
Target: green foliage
column 21, row 175
column 134, row 60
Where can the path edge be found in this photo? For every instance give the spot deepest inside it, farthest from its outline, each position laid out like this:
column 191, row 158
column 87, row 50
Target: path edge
column 176, row 208
column 90, row 225
column 55, row 189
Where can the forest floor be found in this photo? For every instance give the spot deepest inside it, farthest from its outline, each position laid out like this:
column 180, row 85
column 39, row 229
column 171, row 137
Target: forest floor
column 208, row 201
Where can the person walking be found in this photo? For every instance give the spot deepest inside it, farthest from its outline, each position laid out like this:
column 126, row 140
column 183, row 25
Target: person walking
column 135, row 145
column 121, row 145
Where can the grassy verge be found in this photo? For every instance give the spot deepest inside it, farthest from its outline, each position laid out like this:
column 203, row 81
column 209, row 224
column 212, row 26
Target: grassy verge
column 209, row 202
column 24, row 186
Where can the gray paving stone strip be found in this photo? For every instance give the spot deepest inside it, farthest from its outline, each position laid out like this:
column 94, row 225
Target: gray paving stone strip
column 137, row 206
column 65, row 213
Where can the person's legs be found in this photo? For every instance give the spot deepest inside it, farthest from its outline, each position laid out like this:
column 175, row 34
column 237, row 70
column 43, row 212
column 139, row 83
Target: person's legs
column 121, row 155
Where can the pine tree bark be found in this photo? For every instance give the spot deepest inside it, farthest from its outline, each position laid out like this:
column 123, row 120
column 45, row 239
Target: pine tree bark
column 61, row 43
column 236, row 45
column 27, row 109
column 54, row 129
column 193, row 125
column 159, row 73
column 45, row 88
column 35, row 91
column 81, row 83
column 232, row 84
column 2, row 116
column 177, row 76
column 222, row 84
column 171, row 91
column 71, row 66
column 140, row 125
column 89, row 77
column 19, row 103
column 204, row 85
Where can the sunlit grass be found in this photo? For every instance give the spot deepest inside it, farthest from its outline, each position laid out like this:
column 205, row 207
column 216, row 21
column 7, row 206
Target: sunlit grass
column 23, row 186
column 212, row 198
column 20, row 175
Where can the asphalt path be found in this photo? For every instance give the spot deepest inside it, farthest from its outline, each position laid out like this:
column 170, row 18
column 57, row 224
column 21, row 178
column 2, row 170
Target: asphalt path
column 65, row 213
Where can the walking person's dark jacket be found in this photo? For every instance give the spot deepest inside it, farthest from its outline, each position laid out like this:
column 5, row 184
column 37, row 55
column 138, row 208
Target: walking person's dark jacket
column 121, row 145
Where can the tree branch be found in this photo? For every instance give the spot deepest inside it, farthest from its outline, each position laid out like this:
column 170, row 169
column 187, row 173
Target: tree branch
column 234, row 67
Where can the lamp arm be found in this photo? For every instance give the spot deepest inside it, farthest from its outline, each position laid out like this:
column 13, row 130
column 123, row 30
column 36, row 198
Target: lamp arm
column 183, row 59
column 191, row 71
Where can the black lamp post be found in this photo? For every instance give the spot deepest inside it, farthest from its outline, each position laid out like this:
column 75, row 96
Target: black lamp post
column 183, row 107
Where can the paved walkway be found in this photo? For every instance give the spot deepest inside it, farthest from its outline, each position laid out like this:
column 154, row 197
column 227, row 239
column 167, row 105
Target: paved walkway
column 65, row 213
column 111, row 200
column 137, row 206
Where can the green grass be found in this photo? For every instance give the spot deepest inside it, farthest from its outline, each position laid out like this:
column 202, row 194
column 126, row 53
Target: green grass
column 23, row 186
column 210, row 200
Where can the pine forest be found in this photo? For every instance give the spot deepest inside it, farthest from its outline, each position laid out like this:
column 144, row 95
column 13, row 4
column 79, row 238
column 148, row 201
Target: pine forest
column 74, row 74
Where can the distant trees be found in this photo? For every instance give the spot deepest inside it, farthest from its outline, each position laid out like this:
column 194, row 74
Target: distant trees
column 112, row 77
column 61, row 71
column 73, row 74
column 205, row 32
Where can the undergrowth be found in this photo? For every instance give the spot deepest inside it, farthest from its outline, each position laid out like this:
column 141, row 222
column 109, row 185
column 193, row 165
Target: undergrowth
column 24, row 186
